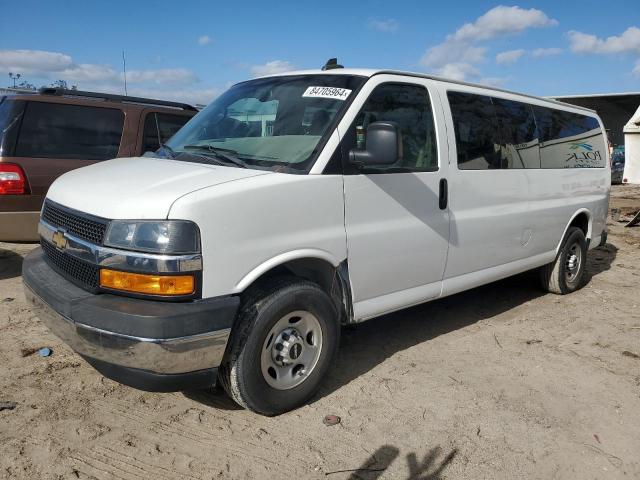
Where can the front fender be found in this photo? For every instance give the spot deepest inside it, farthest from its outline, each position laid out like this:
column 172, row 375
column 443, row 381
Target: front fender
column 282, row 259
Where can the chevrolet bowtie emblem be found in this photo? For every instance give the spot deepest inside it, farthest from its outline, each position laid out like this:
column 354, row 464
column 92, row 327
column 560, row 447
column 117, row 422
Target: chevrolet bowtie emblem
column 59, row 240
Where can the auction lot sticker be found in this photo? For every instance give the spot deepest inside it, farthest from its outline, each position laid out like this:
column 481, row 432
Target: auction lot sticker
column 327, row 92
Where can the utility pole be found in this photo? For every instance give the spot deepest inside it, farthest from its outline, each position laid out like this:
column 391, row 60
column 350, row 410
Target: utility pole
column 124, row 69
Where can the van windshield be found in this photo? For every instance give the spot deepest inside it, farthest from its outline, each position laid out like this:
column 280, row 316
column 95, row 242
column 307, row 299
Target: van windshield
column 276, row 123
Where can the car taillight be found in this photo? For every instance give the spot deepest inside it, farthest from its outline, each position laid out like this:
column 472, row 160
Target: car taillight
column 12, row 180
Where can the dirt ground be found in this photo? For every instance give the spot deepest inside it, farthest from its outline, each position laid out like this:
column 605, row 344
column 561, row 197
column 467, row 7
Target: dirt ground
column 498, row 382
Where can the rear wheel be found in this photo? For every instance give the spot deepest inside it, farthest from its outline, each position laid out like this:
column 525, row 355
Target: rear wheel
column 282, row 345
column 565, row 274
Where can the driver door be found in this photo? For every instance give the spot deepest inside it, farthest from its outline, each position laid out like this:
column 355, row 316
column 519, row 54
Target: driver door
column 397, row 234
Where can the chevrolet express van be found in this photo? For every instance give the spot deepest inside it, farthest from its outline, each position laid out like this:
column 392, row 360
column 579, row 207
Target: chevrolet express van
column 300, row 202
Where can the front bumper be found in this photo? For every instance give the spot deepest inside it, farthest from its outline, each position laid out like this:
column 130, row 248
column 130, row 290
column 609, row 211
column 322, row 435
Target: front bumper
column 151, row 345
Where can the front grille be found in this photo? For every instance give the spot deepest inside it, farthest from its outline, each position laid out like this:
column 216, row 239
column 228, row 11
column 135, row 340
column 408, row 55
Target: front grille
column 80, row 225
column 82, row 273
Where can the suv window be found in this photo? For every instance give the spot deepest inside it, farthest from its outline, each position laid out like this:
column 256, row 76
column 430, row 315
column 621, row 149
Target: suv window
column 53, row 130
column 10, row 115
column 160, row 127
column 408, row 106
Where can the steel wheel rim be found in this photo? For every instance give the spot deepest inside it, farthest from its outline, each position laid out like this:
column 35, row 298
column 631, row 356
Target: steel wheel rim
column 573, row 263
column 291, row 350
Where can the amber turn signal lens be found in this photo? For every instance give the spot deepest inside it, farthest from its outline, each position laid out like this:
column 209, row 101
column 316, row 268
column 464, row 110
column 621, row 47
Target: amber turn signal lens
column 147, row 284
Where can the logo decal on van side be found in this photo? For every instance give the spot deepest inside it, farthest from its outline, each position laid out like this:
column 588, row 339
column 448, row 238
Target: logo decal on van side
column 583, row 156
column 588, row 147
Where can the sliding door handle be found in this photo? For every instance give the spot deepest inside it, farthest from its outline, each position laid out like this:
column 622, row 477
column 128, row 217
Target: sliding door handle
column 444, row 194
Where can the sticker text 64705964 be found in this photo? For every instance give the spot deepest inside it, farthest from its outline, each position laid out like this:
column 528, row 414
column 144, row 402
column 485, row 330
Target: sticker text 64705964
column 327, row 92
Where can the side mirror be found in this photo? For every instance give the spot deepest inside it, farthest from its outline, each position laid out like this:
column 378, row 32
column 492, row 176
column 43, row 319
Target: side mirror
column 384, row 146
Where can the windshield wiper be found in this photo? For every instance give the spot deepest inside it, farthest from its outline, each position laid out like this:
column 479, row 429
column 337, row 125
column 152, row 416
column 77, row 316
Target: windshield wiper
column 172, row 153
column 223, row 153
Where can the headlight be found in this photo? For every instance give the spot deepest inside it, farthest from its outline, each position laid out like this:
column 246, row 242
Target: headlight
column 156, row 236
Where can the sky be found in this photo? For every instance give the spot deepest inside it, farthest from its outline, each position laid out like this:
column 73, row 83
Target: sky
column 193, row 50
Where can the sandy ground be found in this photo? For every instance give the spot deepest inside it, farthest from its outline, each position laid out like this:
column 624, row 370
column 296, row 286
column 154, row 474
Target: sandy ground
column 498, row 382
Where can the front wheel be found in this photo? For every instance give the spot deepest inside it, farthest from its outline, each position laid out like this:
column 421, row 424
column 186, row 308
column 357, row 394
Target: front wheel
column 282, row 345
column 565, row 274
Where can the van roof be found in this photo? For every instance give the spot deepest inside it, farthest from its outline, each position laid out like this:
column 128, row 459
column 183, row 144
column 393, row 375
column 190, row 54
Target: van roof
column 370, row 72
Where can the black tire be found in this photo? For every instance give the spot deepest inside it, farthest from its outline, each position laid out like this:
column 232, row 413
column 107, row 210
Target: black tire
column 558, row 277
column 241, row 374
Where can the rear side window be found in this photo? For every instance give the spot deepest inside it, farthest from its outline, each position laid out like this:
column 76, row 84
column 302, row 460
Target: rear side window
column 477, row 137
column 519, row 146
column 569, row 140
column 51, row 130
column 408, row 106
column 160, row 127
column 496, row 133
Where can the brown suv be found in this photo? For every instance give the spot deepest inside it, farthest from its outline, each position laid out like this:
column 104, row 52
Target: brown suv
column 46, row 134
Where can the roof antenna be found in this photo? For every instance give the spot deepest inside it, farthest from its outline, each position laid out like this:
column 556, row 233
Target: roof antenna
column 331, row 64
column 124, row 70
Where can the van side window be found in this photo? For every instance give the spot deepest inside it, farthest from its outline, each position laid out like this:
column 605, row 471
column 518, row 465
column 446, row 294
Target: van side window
column 160, row 127
column 569, row 140
column 51, row 130
column 408, row 106
column 478, row 142
column 519, row 146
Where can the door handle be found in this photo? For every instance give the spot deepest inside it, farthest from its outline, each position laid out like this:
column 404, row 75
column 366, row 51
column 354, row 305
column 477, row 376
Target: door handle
column 444, row 194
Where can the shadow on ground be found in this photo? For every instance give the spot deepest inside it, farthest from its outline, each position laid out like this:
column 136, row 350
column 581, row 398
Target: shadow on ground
column 214, row 397
column 600, row 260
column 10, row 264
column 429, row 467
column 368, row 344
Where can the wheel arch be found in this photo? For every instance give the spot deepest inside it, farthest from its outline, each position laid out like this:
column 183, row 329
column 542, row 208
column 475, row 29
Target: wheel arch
column 582, row 219
column 314, row 265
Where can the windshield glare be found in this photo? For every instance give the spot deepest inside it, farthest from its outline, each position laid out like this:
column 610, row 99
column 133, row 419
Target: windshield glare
column 274, row 123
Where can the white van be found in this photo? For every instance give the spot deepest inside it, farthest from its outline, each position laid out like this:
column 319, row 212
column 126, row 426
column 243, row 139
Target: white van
column 300, row 202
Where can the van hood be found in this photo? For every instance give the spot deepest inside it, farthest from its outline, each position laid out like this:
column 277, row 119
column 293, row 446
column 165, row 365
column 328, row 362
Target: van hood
column 140, row 187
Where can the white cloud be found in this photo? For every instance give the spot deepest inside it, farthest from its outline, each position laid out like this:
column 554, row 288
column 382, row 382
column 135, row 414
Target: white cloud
column 41, row 67
column 493, row 81
column 29, row 61
column 510, row 56
column 189, row 95
column 628, row 42
column 462, row 51
column 204, row 40
column 503, row 20
column 88, row 72
column 452, row 51
column 458, row 71
column 54, row 65
column 162, row 76
column 546, row 52
column 388, row 25
column 270, row 68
